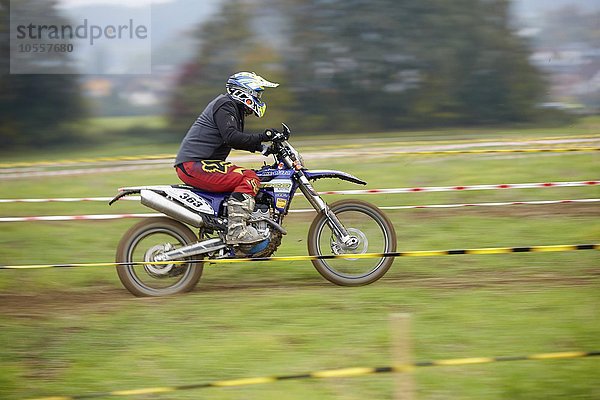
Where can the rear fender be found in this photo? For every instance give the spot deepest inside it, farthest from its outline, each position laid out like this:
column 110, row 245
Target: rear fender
column 127, row 191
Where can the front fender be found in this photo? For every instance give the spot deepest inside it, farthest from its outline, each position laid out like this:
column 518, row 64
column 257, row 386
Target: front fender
column 329, row 173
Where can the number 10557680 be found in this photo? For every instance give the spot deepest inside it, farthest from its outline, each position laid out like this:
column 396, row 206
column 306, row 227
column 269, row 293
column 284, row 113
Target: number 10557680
column 45, row 48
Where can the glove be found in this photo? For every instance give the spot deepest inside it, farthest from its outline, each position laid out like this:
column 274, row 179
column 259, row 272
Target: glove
column 266, row 149
column 274, row 135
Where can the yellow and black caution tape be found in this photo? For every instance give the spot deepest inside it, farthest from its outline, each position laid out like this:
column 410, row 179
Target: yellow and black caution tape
column 329, row 373
column 420, row 253
column 90, row 160
column 16, row 164
column 388, row 143
column 87, row 160
column 483, row 151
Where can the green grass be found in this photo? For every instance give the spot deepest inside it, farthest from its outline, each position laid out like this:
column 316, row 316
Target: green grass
column 121, row 123
column 131, row 343
column 71, row 331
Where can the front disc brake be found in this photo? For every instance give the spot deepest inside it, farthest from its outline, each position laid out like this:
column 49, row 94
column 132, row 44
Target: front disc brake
column 340, row 248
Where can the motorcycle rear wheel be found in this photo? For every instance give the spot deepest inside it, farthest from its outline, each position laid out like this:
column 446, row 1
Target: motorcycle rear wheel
column 140, row 243
column 375, row 233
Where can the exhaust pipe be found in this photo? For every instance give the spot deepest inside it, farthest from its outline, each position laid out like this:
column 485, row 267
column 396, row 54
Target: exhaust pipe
column 157, row 202
column 205, row 246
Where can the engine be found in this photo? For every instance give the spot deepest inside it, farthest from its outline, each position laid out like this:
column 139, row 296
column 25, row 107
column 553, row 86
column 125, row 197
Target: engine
column 258, row 219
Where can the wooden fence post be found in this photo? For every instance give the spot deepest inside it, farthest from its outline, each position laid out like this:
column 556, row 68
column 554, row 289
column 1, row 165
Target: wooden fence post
column 402, row 354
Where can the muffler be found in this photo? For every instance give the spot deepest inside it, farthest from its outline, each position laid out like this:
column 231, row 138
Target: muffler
column 205, row 246
column 159, row 203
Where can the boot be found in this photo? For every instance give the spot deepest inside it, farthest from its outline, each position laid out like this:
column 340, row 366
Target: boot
column 239, row 209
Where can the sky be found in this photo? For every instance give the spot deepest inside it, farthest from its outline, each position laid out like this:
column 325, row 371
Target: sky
column 521, row 4
column 131, row 3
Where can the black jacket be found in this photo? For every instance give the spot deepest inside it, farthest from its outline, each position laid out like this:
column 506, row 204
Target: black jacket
column 218, row 129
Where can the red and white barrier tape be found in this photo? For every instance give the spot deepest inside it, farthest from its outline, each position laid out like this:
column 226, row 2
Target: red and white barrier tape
column 360, row 191
column 495, row 204
column 67, row 199
column 97, row 217
column 151, row 215
column 467, row 187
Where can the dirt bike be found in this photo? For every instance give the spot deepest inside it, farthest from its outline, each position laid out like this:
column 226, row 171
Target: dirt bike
column 344, row 227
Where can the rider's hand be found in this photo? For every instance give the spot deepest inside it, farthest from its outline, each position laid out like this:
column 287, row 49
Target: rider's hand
column 266, row 150
column 273, row 135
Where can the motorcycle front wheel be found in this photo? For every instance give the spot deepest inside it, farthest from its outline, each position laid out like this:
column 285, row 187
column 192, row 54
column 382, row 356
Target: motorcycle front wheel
column 375, row 234
column 142, row 243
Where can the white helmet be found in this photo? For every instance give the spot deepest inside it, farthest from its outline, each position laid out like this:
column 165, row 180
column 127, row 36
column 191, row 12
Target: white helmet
column 247, row 88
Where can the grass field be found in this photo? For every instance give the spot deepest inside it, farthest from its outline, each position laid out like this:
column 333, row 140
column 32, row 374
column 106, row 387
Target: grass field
column 75, row 331
column 111, row 137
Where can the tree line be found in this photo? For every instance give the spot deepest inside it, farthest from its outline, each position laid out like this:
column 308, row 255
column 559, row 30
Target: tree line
column 366, row 65
column 36, row 110
column 343, row 65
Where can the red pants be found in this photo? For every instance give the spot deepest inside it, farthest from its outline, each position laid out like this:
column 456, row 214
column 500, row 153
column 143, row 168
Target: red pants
column 219, row 176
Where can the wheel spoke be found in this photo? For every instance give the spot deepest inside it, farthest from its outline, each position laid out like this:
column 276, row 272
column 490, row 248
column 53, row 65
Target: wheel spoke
column 373, row 233
column 142, row 245
column 157, row 276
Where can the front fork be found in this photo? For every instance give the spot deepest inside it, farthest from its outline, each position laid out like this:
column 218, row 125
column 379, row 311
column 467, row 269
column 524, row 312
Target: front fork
column 338, row 229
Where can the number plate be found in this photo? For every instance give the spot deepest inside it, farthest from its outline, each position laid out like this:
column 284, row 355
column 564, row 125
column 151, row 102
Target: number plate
column 191, row 200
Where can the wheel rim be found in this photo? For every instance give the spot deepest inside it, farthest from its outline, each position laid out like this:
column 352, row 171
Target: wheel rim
column 157, row 278
column 372, row 238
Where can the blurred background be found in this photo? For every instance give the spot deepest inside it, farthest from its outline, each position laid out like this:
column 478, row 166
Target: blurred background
column 362, row 83
column 344, row 66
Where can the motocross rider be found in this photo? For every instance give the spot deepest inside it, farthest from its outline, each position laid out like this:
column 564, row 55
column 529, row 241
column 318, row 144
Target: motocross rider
column 201, row 160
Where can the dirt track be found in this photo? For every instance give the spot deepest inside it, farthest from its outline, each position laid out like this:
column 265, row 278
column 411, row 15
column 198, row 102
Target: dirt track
column 106, row 298
column 103, row 299
column 309, row 153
